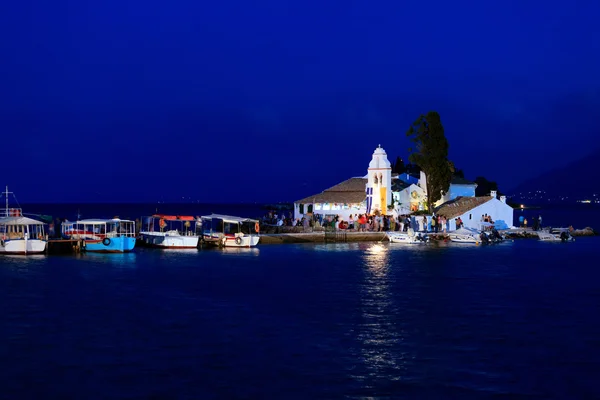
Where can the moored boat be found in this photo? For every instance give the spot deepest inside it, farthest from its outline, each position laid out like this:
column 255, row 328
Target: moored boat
column 556, row 235
column 170, row 231
column 409, row 237
column 20, row 234
column 465, row 235
column 102, row 235
column 230, row 231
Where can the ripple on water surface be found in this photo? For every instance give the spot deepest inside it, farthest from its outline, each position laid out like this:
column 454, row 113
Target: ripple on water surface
column 304, row 321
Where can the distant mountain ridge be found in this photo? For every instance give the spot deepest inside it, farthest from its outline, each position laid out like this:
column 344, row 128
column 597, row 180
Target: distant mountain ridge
column 579, row 180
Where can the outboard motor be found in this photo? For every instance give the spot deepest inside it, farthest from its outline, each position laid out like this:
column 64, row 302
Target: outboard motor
column 564, row 236
column 484, row 238
column 496, row 235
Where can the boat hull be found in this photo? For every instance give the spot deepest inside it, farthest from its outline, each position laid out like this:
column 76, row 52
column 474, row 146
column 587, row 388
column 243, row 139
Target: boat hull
column 162, row 240
column 551, row 237
column 122, row 244
column 22, row 246
column 232, row 241
column 464, row 239
column 396, row 237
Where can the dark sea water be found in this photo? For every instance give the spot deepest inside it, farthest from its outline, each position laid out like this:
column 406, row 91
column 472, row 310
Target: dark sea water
column 517, row 320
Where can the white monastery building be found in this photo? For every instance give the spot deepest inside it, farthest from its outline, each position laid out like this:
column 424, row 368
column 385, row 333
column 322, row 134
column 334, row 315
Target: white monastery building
column 379, row 182
column 472, row 209
column 381, row 192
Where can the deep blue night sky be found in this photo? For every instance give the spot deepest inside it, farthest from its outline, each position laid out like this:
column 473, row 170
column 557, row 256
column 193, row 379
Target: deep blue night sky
column 141, row 100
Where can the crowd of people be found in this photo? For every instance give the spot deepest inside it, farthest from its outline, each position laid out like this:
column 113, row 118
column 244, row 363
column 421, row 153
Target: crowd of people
column 363, row 222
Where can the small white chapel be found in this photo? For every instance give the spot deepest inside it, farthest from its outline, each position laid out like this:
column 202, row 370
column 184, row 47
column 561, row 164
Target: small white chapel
column 380, row 191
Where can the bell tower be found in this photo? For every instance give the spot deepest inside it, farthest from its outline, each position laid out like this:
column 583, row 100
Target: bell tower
column 379, row 182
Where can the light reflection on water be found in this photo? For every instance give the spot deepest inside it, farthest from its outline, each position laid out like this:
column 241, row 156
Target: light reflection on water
column 23, row 259
column 240, row 251
column 378, row 333
column 120, row 259
column 341, row 247
column 21, row 263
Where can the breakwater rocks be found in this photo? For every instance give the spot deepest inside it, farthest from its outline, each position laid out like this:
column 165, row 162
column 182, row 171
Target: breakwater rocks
column 322, row 237
column 344, row 236
column 584, row 232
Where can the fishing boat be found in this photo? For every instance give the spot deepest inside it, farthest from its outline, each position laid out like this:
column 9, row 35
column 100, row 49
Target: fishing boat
column 102, row 235
column 20, row 234
column 170, row 231
column 409, row 237
column 230, row 231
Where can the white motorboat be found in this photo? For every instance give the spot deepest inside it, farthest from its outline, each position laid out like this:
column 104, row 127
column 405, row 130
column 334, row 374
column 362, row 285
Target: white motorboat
column 20, row 234
column 465, row 235
column 170, row 232
column 409, row 237
column 229, row 231
column 556, row 235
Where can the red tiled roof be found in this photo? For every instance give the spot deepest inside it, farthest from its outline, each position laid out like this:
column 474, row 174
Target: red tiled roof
column 349, row 191
column 461, row 205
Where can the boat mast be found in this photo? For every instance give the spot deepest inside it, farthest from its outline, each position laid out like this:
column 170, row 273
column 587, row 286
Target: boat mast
column 6, row 195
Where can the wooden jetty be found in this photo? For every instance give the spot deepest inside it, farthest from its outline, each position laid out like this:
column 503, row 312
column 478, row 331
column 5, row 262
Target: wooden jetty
column 63, row 246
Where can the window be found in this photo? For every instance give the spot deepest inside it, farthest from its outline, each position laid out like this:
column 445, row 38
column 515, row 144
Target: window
column 470, row 215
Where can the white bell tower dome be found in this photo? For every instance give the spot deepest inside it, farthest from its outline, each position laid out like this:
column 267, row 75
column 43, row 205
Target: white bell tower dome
column 379, row 182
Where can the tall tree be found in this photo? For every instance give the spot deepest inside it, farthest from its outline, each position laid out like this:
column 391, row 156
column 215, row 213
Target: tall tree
column 456, row 172
column 431, row 155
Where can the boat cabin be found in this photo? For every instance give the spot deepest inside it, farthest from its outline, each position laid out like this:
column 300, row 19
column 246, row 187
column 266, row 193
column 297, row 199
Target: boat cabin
column 217, row 225
column 184, row 225
column 98, row 229
column 19, row 227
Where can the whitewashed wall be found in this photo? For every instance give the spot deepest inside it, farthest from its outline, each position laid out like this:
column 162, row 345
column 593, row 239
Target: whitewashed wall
column 500, row 212
column 404, row 197
column 343, row 213
column 379, row 171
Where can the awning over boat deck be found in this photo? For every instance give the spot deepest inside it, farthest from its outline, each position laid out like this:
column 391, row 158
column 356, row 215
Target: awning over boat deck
column 174, row 217
column 229, row 218
column 19, row 221
column 96, row 221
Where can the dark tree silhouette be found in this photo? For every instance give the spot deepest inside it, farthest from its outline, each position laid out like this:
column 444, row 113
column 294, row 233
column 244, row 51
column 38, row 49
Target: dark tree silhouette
column 431, row 155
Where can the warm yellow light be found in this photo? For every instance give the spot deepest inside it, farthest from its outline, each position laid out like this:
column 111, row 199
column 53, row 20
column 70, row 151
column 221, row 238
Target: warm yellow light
column 522, row 206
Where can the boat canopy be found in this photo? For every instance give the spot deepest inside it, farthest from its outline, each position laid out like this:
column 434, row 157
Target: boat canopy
column 19, row 221
column 97, row 221
column 174, row 217
column 229, row 218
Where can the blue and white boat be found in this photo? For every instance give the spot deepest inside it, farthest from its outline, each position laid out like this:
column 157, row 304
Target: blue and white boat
column 102, row 235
